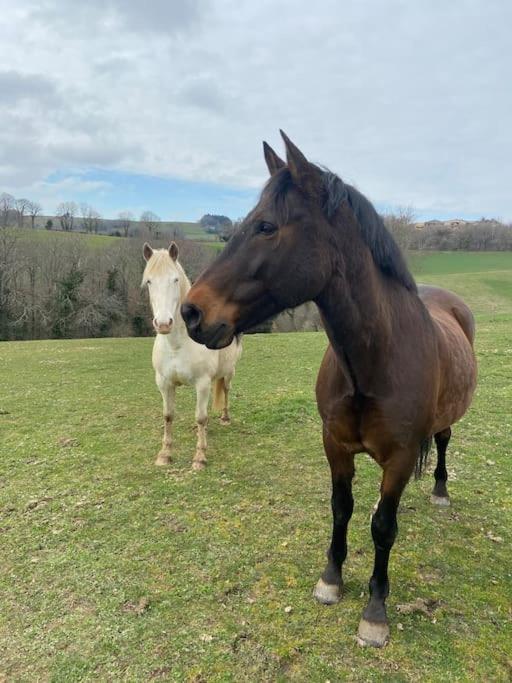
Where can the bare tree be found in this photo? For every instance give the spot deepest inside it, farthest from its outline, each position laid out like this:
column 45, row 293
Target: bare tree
column 66, row 212
column 91, row 219
column 21, row 206
column 150, row 221
column 7, row 204
column 401, row 226
column 34, row 209
column 124, row 221
column 9, row 268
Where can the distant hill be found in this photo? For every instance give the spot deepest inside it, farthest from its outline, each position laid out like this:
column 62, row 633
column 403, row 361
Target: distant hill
column 114, row 227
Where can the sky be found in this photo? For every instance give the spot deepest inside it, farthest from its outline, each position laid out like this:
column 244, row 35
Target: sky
column 163, row 105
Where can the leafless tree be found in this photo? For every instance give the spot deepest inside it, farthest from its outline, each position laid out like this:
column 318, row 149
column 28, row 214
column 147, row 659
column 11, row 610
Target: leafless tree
column 7, row 204
column 124, row 221
column 401, row 226
column 150, row 221
column 66, row 212
column 21, row 206
column 91, row 219
column 33, row 210
column 9, row 268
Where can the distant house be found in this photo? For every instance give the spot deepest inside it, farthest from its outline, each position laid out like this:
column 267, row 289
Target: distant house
column 452, row 224
column 455, row 223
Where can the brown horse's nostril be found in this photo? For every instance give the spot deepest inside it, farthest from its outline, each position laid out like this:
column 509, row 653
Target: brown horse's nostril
column 191, row 315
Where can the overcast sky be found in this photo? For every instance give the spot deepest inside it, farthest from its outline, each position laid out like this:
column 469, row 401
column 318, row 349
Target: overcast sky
column 163, row 104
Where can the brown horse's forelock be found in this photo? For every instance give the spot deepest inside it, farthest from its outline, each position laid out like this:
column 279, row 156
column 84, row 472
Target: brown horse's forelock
column 334, row 192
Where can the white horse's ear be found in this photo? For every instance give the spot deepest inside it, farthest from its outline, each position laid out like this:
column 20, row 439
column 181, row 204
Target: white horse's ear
column 147, row 251
column 173, row 251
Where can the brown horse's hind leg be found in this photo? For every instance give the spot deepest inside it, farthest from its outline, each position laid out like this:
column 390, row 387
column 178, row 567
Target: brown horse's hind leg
column 374, row 627
column 440, row 492
column 328, row 588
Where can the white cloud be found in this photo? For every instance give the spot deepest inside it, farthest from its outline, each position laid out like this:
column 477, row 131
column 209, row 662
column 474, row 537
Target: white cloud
column 409, row 100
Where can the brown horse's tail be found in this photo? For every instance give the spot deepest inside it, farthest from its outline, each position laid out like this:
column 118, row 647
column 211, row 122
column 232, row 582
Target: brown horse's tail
column 219, row 394
column 422, row 460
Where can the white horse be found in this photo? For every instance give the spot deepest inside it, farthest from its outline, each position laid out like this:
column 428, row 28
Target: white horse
column 177, row 359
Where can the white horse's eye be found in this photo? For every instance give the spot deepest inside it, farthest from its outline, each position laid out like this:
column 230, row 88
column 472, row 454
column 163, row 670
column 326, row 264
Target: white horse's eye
column 175, row 279
column 148, row 282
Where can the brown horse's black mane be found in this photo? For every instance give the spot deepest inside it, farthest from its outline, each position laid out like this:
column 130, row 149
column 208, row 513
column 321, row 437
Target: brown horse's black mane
column 334, row 191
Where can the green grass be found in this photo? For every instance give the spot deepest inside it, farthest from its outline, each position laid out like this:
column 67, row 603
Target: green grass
column 189, row 230
column 449, row 262
column 483, row 279
column 115, row 570
column 43, row 236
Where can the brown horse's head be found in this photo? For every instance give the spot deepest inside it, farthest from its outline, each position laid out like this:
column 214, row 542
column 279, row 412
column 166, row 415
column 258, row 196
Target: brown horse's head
column 278, row 258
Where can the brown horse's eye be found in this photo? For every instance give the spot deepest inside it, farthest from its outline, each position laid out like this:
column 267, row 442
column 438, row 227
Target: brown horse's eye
column 267, row 228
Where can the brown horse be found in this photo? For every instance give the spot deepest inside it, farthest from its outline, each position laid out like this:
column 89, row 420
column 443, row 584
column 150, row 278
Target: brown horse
column 400, row 368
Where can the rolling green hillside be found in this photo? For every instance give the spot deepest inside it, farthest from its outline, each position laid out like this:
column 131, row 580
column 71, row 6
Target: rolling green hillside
column 483, row 279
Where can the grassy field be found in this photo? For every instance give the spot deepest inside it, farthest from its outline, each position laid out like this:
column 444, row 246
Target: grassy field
column 484, row 279
column 45, row 236
column 114, row 570
column 190, row 231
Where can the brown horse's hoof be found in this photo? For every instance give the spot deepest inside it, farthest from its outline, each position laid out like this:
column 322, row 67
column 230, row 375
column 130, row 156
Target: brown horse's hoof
column 198, row 465
column 326, row 593
column 442, row 501
column 163, row 459
column 225, row 421
column 372, row 634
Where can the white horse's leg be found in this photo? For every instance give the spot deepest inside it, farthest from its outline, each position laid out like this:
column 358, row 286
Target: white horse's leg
column 168, row 391
column 225, row 418
column 202, row 396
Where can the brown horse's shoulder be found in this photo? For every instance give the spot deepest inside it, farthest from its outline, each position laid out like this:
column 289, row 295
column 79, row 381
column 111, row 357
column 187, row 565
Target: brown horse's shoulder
column 333, row 378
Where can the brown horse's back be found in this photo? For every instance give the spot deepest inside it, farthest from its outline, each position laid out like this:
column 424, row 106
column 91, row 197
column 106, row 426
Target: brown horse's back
column 455, row 330
column 436, row 298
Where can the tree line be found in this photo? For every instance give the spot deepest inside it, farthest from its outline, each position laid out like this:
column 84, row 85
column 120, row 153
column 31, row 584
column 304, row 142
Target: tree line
column 480, row 235
column 68, row 287
column 73, row 217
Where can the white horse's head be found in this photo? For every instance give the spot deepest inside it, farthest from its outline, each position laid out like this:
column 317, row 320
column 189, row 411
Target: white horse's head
column 167, row 285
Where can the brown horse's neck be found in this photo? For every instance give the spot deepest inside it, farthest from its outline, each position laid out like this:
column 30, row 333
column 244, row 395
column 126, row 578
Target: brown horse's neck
column 363, row 312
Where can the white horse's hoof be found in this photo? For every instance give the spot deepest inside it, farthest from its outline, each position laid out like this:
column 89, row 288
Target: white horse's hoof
column 198, row 465
column 372, row 634
column 162, row 460
column 326, row 593
column 442, row 501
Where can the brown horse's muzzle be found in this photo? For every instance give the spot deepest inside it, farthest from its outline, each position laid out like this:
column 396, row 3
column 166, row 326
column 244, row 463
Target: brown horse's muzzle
column 214, row 336
column 208, row 318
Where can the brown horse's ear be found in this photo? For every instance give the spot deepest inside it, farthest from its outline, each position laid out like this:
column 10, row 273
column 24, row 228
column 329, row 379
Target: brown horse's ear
column 303, row 173
column 173, row 251
column 274, row 163
column 147, row 251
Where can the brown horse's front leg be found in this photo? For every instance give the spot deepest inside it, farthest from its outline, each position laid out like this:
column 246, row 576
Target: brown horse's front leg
column 329, row 585
column 374, row 627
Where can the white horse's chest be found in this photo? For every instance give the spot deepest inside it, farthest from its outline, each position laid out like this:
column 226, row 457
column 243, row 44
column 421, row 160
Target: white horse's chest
column 182, row 363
